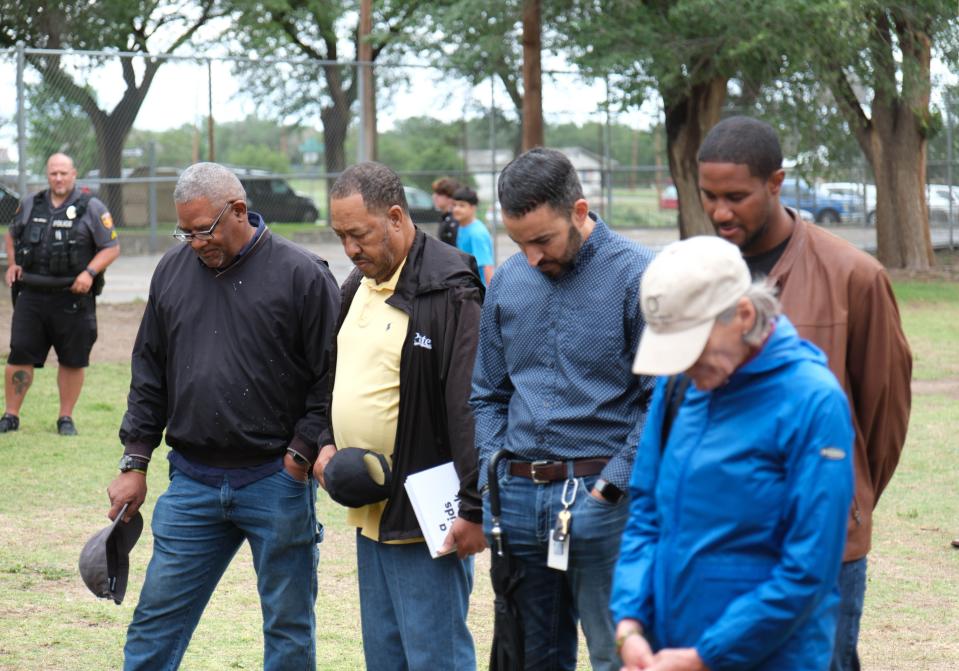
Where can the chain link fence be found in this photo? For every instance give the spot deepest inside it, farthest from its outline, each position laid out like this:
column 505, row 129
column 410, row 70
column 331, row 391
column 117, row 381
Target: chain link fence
column 288, row 127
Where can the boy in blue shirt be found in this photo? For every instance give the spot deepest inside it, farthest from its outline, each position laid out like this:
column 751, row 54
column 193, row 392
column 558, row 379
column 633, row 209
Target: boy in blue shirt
column 473, row 238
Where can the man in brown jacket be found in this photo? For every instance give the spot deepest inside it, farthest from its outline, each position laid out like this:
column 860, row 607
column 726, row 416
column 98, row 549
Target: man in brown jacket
column 838, row 297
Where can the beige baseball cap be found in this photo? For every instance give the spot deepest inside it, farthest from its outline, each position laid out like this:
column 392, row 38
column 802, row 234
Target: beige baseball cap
column 684, row 289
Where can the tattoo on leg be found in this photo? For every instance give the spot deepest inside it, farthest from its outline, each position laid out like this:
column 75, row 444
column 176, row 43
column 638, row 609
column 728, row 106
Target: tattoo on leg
column 21, row 380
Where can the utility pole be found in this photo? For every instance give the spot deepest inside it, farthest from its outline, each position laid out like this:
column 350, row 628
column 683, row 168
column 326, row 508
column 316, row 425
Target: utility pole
column 366, row 147
column 532, row 74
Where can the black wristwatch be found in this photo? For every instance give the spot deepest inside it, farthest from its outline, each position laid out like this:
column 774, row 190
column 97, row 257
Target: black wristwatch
column 299, row 458
column 131, row 462
column 610, row 492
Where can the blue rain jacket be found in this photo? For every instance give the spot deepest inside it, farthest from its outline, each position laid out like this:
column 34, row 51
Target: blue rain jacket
column 736, row 530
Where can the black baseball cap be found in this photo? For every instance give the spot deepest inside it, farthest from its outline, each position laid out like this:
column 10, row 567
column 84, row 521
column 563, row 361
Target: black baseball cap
column 105, row 559
column 357, row 477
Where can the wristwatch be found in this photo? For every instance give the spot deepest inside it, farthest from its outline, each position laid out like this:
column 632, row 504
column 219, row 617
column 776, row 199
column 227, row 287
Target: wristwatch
column 608, row 491
column 299, row 458
column 131, row 462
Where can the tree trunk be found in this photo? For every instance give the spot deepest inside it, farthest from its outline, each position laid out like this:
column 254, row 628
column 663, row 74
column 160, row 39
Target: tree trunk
column 894, row 139
column 532, row 75
column 111, row 165
column 689, row 117
column 899, row 164
column 336, row 121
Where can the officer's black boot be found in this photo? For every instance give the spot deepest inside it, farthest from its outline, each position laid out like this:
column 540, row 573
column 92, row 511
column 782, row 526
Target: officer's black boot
column 66, row 427
column 9, row 423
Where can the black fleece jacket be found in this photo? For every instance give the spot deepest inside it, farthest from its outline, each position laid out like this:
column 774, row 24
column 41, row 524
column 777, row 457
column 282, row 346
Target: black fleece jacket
column 440, row 290
column 234, row 363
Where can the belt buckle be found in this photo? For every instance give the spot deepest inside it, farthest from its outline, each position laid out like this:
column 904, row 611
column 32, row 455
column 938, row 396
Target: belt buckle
column 532, row 471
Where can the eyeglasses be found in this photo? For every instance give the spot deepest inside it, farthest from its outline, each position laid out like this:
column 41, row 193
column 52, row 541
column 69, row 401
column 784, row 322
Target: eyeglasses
column 206, row 235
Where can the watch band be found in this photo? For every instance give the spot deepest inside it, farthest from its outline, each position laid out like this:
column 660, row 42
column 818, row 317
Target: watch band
column 609, row 491
column 299, row 458
column 132, row 462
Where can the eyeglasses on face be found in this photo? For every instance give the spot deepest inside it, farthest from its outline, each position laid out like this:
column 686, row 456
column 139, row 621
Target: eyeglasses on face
column 206, row 235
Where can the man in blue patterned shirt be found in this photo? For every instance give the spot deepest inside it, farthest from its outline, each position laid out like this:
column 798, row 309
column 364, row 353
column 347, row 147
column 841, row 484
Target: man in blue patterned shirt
column 553, row 386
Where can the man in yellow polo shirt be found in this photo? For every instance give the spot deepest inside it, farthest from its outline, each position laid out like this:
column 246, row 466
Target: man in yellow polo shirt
column 403, row 359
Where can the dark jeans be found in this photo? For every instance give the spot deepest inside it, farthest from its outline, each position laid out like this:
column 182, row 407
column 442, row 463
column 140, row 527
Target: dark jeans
column 196, row 531
column 413, row 608
column 550, row 601
column 852, row 592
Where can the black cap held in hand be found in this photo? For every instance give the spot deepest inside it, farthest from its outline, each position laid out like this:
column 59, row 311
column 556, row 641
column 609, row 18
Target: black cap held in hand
column 357, row 477
column 105, row 559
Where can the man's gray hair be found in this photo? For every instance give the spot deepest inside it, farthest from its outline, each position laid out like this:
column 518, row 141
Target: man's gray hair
column 762, row 294
column 208, row 180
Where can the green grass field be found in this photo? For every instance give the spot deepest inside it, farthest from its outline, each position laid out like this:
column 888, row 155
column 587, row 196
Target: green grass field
column 53, row 497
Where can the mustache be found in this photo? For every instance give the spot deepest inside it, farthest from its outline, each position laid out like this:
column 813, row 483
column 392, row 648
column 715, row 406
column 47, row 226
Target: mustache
column 360, row 257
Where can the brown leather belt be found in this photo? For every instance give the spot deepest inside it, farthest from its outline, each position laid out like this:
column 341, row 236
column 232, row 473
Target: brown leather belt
column 542, row 472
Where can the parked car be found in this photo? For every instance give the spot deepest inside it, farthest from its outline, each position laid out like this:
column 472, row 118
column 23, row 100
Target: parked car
column 669, row 198
column 937, row 200
column 9, row 202
column 796, row 193
column 859, row 200
column 276, row 200
column 421, row 207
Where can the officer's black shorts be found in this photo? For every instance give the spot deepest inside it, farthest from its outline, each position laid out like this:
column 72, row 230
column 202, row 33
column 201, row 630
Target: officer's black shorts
column 64, row 320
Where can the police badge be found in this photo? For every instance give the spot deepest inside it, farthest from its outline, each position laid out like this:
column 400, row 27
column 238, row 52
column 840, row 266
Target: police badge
column 72, row 212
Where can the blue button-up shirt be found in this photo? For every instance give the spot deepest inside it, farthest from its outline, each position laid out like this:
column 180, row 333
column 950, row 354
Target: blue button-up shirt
column 553, row 373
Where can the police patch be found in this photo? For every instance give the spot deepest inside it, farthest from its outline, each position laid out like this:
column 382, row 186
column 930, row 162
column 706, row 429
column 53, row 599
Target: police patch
column 107, row 220
column 833, row 453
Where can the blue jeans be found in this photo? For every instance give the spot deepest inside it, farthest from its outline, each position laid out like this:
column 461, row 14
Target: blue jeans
column 413, row 608
column 852, row 593
column 196, row 531
column 550, row 601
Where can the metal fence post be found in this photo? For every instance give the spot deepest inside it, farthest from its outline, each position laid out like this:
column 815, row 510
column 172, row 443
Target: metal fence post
column 211, row 150
column 152, row 194
column 492, row 160
column 952, row 214
column 21, row 121
column 608, row 159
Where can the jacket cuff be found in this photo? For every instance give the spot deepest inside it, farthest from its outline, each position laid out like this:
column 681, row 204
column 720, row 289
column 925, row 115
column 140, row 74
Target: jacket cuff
column 474, row 515
column 324, row 438
column 139, row 449
column 308, row 450
column 471, row 507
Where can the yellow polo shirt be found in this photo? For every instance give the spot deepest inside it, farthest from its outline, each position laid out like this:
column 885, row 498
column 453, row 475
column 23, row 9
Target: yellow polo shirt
column 366, row 392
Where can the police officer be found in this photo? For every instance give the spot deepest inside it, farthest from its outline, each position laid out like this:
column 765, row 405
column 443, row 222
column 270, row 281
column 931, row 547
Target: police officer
column 57, row 249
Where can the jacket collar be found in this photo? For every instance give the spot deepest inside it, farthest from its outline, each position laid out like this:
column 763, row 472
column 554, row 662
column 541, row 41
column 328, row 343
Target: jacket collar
column 783, row 346
column 796, row 247
column 429, row 270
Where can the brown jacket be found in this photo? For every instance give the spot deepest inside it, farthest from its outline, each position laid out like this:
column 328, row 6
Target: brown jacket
column 840, row 298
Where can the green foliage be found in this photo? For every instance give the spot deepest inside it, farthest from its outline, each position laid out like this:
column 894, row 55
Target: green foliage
column 257, row 155
column 421, row 145
column 56, row 124
column 174, row 147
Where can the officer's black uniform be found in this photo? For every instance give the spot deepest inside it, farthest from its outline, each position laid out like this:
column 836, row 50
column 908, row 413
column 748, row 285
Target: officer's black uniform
column 53, row 246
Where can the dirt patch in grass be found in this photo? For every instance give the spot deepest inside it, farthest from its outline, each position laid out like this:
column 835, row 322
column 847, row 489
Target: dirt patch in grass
column 948, row 387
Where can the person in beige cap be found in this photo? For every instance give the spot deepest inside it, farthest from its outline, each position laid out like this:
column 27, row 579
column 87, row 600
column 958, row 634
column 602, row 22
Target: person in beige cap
column 739, row 493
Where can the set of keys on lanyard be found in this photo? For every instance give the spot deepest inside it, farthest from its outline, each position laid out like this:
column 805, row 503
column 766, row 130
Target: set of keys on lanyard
column 558, row 555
